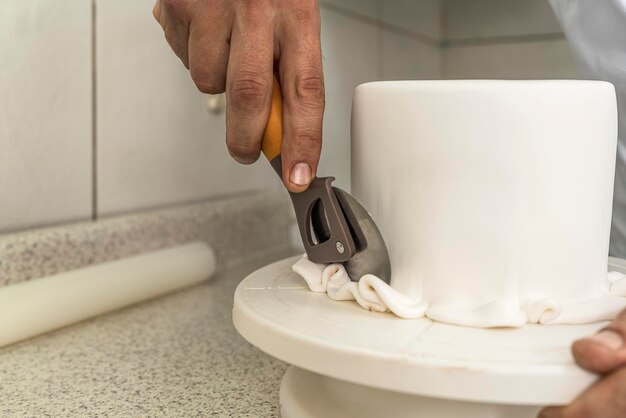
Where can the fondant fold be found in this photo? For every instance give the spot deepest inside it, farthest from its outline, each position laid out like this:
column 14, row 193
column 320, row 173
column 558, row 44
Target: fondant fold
column 373, row 294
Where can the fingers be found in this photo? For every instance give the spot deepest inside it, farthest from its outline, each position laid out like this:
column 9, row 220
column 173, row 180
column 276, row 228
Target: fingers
column 249, row 81
column 302, row 83
column 552, row 412
column 231, row 46
column 605, row 399
column 172, row 16
column 605, row 351
column 209, row 34
column 601, row 353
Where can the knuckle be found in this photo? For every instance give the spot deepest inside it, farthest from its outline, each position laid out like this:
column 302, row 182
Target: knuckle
column 306, row 137
column 309, row 88
column 307, row 130
column 249, row 93
column 306, row 142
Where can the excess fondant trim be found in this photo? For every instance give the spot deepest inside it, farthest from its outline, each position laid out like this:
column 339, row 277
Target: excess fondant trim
column 373, row 294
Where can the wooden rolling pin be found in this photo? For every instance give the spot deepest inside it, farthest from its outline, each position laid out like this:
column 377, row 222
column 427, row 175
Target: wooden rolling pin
column 37, row 306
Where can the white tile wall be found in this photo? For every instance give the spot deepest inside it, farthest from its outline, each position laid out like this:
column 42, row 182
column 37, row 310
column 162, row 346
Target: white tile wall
column 493, row 18
column 350, row 58
column 45, row 112
column 530, row 60
column 157, row 145
column 419, row 16
column 404, row 58
column 484, row 48
column 357, row 52
column 367, row 8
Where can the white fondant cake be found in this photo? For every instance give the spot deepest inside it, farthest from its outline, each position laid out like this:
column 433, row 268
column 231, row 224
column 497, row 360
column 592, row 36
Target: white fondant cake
column 494, row 199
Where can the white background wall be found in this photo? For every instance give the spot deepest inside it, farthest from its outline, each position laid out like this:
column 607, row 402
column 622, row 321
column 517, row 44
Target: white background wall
column 504, row 39
column 45, row 112
column 98, row 117
column 80, row 140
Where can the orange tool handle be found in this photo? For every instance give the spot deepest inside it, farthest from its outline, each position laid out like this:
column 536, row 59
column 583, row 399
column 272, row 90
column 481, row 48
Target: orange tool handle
column 273, row 135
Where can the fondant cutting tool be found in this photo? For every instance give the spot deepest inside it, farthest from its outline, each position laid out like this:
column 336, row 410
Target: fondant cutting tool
column 334, row 226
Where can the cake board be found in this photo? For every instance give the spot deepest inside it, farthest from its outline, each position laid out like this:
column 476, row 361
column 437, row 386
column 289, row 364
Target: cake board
column 378, row 357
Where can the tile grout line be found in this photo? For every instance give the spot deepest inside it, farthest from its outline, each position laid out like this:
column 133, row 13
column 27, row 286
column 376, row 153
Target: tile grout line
column 380, row 49
column 503, row 40
column 425, row 39
column 94, row 117
column 443, row 34
column 444, row 42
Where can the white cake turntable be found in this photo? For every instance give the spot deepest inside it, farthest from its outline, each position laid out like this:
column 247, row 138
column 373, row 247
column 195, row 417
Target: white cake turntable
column 348, row 362
column 494, row 199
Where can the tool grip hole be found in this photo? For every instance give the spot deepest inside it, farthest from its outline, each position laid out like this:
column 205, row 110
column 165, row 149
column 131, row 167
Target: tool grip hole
column 318, row 223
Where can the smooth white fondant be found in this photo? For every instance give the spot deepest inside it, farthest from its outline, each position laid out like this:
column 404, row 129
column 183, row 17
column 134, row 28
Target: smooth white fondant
column 490, row 194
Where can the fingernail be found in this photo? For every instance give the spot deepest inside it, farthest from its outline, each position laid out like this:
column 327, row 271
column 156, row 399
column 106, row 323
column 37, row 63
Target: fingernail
column 609, row 339
column 300, row 174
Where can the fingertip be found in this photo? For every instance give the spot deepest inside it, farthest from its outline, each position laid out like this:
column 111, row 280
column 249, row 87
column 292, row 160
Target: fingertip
column 596, row 357
column 206, row 84
column 590, row 355
column 244, row 160
column 245, row 157
column 551, row 412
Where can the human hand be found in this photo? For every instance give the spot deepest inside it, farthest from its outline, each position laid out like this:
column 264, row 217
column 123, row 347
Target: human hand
column 231, row 46
column 605, row 354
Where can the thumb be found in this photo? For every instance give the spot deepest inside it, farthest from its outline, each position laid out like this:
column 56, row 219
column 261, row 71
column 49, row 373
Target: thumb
column 552, row 412
column 605, row 351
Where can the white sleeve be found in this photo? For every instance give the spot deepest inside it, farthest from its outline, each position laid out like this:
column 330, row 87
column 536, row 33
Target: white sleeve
column 596, row 31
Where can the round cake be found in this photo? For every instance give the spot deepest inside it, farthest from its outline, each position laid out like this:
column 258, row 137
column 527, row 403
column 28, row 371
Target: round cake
column 494, row 199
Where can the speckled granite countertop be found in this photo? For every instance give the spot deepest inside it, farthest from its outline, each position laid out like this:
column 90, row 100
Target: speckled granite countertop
column 176, row 356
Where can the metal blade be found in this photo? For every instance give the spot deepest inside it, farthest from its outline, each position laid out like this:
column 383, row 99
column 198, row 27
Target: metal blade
column 371, row 255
